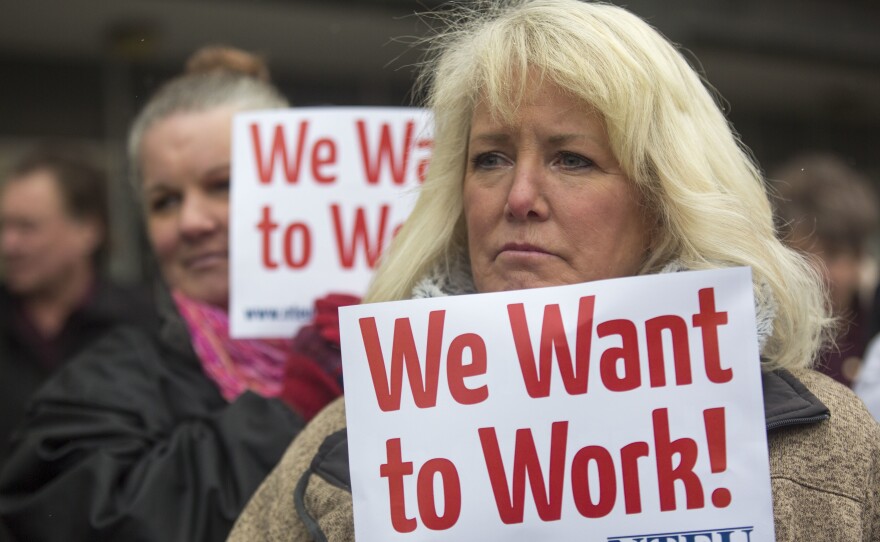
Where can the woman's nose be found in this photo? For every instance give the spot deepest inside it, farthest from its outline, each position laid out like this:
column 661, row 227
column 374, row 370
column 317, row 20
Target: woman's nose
column 525, row 199
column 196, row 217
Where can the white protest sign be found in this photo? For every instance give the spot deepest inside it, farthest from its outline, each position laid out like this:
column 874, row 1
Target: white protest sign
column 317, row 194
column 617, row 411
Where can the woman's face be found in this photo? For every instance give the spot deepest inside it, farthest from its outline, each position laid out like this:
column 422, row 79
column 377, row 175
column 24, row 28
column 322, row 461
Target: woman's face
column 185, row 165
column 545, row 201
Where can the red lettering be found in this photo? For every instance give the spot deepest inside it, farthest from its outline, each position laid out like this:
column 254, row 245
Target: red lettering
column 628, row 352
column 384, row 153
column 279, row 148
column 422, row 166
column 451, row 494
column 686, row 449
column 360, row 238
column 597, row 497
column 321, row 159
column 458, row 371
column 305, row 237
column 510, row 498
column 681, row 354
column 297, row 247
column 619, row 366
column 580, row 482
column 629, row 459
column 404, row 354
column 716, row 438
column 395, row 469
column 553, row 340
column 266, row 227
column 709, row 320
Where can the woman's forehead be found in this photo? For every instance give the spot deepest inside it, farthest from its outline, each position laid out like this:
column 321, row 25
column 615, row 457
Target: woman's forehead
column 508, row 109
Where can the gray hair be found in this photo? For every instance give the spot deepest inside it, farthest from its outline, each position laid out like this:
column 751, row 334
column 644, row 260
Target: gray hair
column 197, row 92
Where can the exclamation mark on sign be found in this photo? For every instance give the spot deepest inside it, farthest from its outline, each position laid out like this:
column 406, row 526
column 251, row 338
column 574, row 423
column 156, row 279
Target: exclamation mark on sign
column 716, row 437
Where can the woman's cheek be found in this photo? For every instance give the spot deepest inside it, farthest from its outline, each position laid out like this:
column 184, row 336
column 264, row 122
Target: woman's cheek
column 163, row 240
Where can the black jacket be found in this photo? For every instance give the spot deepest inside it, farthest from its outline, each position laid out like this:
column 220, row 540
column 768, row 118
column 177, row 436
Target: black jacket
column 131, row 441
column 26, row 361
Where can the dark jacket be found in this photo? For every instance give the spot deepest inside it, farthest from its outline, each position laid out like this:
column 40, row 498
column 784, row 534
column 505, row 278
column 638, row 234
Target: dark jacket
column 131, row 441
column 26, row 360
column 824, row 471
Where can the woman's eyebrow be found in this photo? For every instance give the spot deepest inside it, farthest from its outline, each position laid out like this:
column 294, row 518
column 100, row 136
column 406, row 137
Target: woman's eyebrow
column 220, row 169
column 490, row 137
column 564, row 138
column 158, row 186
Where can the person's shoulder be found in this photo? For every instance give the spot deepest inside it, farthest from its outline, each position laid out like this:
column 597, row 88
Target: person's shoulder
column 124, row 355
column 848, row 412
column 331, row 419
column 824, row 473
column 126, row 303
column 132, row 370
column 122, row 342
column 314, row 470
column 838, row 454
column 6, row 296
column 7, row 308
column 305, row 449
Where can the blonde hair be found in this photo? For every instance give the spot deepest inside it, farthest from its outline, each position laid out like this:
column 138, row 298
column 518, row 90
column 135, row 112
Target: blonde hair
column 215, row 76
column 664, row 127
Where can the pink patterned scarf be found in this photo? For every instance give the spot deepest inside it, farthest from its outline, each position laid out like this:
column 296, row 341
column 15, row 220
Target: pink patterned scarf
column 235, row 365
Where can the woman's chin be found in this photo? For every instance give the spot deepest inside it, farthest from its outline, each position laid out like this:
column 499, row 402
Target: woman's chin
column 217, row 295
column 515, row 281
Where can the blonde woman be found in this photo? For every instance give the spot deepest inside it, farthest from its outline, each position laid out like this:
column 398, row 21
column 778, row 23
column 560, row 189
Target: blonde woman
column 575, row 143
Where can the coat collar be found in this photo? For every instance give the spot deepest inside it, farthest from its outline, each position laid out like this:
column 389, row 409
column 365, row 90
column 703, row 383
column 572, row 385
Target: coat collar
column 788, row 402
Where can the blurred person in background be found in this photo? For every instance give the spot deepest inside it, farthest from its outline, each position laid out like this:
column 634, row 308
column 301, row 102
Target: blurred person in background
column 829, row 211
column 54, row 297
column 165, row 437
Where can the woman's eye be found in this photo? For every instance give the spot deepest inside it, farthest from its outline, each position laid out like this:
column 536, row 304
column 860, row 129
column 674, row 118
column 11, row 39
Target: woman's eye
column 487, row 160
column 219, row 185
column 164, row 202
column 570, row 160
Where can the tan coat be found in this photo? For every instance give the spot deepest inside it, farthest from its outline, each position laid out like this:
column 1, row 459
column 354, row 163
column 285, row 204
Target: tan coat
column 825, row 478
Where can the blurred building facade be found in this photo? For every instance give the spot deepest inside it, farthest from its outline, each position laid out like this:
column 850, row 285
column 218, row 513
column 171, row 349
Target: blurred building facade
column 796, row 74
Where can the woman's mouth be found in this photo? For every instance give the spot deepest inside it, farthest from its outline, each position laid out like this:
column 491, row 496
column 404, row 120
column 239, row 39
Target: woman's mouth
column 206, row 260
column 522, row 249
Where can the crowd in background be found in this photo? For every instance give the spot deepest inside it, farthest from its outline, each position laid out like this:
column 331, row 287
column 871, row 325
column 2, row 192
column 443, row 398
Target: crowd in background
column 122, row 404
